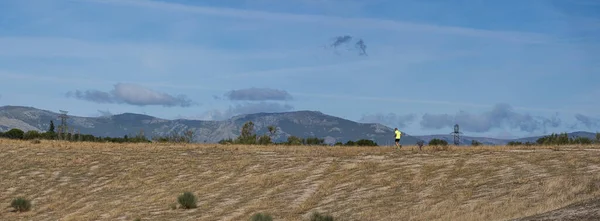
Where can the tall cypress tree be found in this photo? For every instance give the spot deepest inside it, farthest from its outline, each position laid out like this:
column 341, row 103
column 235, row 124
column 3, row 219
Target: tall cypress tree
column 51, row 129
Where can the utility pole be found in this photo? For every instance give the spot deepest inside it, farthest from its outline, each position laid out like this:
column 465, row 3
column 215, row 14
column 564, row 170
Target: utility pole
column 456, row 134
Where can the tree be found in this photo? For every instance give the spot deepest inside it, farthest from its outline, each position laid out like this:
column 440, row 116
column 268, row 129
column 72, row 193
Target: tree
column 598, row 137
column 247, row 135
column 272, row 130
column 189, row 136
column 51, row 128
column 475, row 143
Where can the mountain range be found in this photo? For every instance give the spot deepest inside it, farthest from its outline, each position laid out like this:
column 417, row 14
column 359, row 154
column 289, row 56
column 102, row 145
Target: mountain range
column 297, row 123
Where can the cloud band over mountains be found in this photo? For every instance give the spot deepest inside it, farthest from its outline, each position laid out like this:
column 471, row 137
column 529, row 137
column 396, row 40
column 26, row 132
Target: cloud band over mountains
column 500, row 116
column 258, row 94
column 133, row 95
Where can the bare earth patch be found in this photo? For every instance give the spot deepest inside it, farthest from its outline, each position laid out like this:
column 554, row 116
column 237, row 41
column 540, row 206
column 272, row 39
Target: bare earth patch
column 102, row 181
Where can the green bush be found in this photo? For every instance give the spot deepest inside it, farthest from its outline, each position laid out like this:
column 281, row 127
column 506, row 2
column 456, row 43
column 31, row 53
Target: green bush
column 365, row 142
column 438, row 142
column 32, row 134
column 264, row 140
column 187, row 200
column 14, row 134
column 21, row 204
column 261, row 217
column 316, row 216
column 293, row 140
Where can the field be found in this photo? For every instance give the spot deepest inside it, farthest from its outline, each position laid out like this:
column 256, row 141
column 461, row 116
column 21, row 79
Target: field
column 103, row 181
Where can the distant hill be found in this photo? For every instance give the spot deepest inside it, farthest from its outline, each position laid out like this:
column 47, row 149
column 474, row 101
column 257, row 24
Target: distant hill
column 297, row 123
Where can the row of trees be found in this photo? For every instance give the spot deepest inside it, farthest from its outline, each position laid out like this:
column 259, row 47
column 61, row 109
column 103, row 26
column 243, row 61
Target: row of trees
column 553, row 139
column 51, row 134
column 559, row 139
column 249, row 136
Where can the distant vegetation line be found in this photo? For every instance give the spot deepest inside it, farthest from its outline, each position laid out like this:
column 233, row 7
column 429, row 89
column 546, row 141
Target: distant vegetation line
column 249, row 137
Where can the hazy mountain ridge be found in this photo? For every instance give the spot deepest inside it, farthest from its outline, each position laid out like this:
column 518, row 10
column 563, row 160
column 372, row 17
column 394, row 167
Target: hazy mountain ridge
column 297, row 123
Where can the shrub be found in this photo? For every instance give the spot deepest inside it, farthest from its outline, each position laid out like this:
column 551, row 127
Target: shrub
column 261, row 217
column 21, row 204
column 187, row 200
column 32, row 134
column 316, row 216
column 436, row 142
column 365, row 142
column 14, row 134
column 514, row 143
column 36, row 141
column 264, row 140
column 293, row 140
column 475, row 143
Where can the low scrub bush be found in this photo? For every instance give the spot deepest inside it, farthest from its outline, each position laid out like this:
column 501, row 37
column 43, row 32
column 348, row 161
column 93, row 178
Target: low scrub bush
column 316, row 216
column 187, row 200
column 438, row 142
column 21, row 204
column 261, row 217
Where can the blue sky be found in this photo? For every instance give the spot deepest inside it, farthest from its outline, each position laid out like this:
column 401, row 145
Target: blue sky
column 498, row 68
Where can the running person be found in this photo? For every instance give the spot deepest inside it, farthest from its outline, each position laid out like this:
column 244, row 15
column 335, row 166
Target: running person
column 397, row 136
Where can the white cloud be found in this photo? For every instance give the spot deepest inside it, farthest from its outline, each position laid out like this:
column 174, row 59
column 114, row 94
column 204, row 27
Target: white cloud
column 132, row 94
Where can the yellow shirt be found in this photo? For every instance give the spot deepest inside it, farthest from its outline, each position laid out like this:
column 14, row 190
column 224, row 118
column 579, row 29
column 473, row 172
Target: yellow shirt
column 398, row 134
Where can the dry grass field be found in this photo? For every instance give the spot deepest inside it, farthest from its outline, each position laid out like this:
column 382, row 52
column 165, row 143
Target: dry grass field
column 103, row 181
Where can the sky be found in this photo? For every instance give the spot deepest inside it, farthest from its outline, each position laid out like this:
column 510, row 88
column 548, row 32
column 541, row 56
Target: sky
column 501, row 69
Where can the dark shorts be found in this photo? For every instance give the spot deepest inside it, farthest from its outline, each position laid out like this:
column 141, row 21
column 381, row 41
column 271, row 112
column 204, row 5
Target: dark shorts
column 397, row 140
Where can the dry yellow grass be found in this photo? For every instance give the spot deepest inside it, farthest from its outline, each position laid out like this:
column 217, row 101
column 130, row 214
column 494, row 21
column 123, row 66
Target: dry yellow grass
column 103, row 181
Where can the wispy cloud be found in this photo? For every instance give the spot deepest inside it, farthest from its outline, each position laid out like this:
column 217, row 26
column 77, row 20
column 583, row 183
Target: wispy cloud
column 365, row 23
column 258, row 94
column 502, row 115
column 390, row 119
column 589, row 122
column 132, row 94
column 105, row 113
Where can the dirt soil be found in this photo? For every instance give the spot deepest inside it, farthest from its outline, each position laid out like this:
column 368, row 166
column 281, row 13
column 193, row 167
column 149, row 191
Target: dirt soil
column 104, row 181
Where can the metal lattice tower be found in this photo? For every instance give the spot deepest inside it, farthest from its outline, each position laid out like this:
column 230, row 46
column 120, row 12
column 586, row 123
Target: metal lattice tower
column 456, row 134
column 63, row 124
